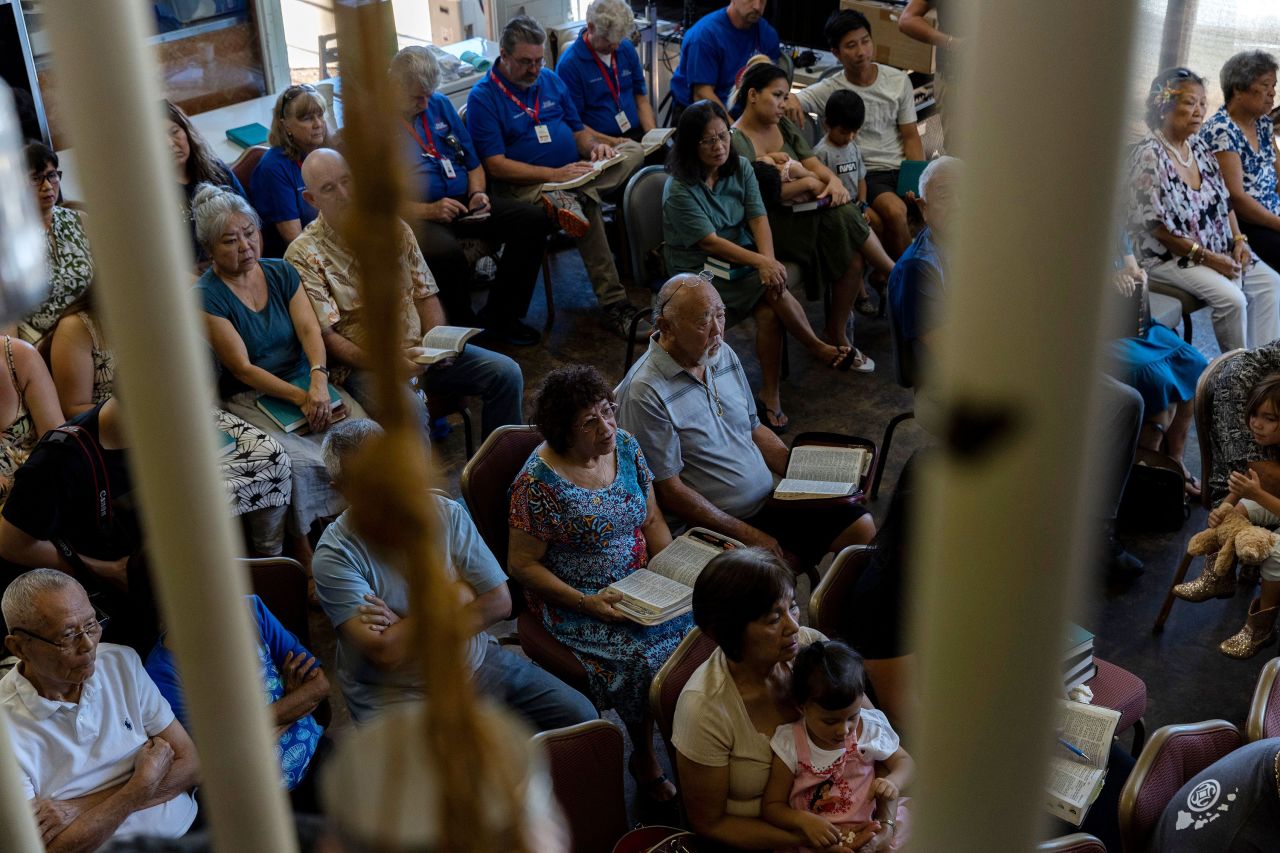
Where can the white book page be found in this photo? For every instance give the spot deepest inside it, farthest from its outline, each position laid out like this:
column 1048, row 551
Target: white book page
column 1071, row 782
column 683, row 559
column 652, row 590
column 1089, row 728
column 448, row 338
column 819, row 488
column 827, row 464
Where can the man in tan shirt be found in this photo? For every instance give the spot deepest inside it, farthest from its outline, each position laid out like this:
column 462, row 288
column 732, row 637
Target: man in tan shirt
column 329, row 273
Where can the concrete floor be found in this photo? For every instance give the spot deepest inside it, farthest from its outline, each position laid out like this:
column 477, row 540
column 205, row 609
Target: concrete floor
column 1187, row 678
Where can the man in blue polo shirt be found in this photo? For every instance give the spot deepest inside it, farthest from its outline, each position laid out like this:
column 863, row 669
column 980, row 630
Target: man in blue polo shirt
column 603, row 74
column 528, row 134
column 714, row 51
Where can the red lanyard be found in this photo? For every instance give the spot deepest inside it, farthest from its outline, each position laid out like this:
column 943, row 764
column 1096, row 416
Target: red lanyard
column 615, row 87
column 429, row 146
column 537, row 101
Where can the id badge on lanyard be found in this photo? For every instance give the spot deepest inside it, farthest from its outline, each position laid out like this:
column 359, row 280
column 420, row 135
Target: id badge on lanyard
column 624, row 123
column 543, row 132
column 447, row 165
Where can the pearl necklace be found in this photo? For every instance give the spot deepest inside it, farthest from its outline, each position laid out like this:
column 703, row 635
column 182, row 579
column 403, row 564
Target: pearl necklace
column 1177, row 155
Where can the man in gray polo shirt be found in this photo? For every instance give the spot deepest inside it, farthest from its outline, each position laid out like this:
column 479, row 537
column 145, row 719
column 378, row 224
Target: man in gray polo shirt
column 714, row 464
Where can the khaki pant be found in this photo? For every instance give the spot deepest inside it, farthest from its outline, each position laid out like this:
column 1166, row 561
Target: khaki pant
column 594, row 248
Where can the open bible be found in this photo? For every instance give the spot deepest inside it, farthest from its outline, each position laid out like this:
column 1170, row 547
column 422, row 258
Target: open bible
column 1074, row 782
column 664, row 590
column 656, row 138
column 444, row 342
column 596, row 168
column 818, row 471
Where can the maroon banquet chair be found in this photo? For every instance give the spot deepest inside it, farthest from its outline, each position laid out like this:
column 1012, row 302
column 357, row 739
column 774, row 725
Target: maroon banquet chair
column 1264, row 711
column 486, row 482
column 1117, row 688
column 1175, row 754
column 1076, row 842
column 586, row 774
column 665, row 689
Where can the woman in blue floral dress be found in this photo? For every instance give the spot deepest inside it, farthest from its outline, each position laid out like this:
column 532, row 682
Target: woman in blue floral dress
column 584, row 516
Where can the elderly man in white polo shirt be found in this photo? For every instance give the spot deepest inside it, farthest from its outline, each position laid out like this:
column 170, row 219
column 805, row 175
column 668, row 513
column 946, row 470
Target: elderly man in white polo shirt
column 100, row 752
column 714, row 463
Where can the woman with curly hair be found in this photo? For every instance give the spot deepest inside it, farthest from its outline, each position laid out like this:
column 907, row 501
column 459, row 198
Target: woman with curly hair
column 584, row 516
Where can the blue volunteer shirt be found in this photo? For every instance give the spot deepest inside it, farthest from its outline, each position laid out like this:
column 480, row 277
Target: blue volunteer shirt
column 714, row 51
column 452, row 142
column 500, row 126
column 592, row 96
column 275, row 190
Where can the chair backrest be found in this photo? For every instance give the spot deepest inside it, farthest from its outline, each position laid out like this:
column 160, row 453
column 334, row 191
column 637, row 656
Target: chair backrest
column 244, row 165
column 904, row 360
column 1076, row 842
column 1264, row 711
column 642, row 217
column 1173, row 755
column 664, row 691
column 1206, row 389
column 586, row 775
column 831, row 597
column 281, row 583
column 487, row 479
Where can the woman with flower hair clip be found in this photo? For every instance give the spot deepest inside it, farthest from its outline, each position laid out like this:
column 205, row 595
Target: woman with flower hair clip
column 1184, row 231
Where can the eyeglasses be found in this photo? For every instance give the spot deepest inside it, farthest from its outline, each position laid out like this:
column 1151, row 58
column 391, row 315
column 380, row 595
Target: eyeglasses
column 691, row 281
column 68, row 642
column 608, row 412
column 537, row 62
column 54, row 177
column 711, row 141
column 293, row 92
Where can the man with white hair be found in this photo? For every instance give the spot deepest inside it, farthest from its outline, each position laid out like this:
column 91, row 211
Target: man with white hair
column 324, row 262
column 602, row 72
column 98, row 748
column 451, row 203
column 530, row 138
column 686, row 400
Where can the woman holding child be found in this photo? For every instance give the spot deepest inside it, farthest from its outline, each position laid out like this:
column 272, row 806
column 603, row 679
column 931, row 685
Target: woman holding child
column 584, row 516
column 712, row 209
column 829, row 242
column 736, row 733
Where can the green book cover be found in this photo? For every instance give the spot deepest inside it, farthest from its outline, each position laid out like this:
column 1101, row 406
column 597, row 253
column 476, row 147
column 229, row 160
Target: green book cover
column 909, row 176
column 248, row 135
column 225, row 443
column 286, row 415
column 1078, row 639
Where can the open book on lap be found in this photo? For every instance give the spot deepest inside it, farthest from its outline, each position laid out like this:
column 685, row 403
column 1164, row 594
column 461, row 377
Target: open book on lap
column 444, row 342
column 818, row 471
column 656, row 138
column 596, row 168
column 664, row 590
column 1075, row 781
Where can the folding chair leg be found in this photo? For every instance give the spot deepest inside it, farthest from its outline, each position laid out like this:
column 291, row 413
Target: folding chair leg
column 1178, row 577
column 1139, row 737
column 1186, row 327
column 631, row 340
column 884, row 450
column 467, row 438
column 547, row 291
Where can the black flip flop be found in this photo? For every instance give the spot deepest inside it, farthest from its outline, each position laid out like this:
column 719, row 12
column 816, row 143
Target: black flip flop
column 764, row 413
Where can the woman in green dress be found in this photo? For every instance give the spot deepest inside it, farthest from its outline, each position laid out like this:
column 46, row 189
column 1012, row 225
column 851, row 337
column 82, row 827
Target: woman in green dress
column 830, row 242
column 712, row 212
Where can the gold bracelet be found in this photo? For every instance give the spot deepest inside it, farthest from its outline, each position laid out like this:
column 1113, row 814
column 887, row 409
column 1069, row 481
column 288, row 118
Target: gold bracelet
column 1240, row 238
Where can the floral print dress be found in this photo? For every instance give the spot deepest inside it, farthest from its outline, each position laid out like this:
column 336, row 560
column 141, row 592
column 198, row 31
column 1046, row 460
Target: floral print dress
column 1162, row 197
column 19, row 438
column 594, row 538
column 70, row 271
column 1258, row 168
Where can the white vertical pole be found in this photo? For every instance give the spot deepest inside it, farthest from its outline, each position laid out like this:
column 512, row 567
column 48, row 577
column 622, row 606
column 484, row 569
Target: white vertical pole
column 1004, row 514
column 17, row 823
column 110, row 94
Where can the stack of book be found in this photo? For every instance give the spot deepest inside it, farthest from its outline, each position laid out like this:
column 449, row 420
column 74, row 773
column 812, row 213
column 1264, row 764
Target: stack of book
column 1077, row 661
column 721, row 268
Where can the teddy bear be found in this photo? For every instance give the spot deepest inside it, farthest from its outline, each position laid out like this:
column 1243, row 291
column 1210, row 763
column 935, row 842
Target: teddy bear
column 1235, row 538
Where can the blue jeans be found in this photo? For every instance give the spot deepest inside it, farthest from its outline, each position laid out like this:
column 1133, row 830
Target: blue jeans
column 544, row 701
column 478, row 372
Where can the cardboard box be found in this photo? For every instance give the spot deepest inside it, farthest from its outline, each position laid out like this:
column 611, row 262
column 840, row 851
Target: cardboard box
column 446, row 22
column 892, row 47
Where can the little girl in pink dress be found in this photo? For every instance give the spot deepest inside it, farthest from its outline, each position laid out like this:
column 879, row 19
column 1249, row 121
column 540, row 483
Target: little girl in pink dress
column 823, row 782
